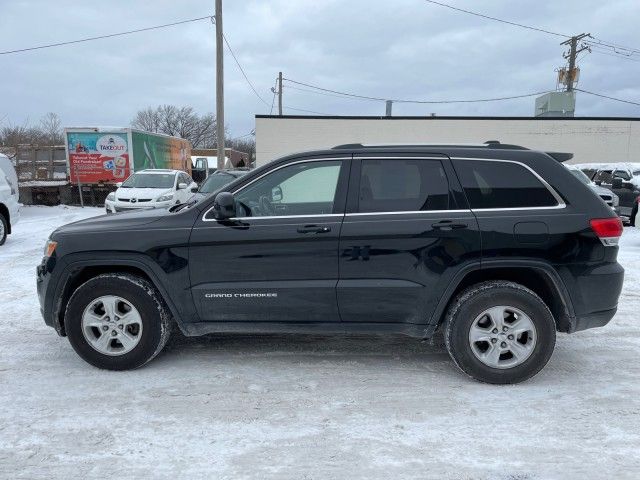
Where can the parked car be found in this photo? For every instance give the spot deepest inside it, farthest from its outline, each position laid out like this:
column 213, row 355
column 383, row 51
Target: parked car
column 605, row 194
column 624, row 181
column 9, row 205
column 152, row 188
column 497, row 246
column 217, row 180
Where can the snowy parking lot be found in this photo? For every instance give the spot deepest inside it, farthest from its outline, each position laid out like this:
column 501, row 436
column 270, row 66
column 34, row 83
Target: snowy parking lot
column 307, row 406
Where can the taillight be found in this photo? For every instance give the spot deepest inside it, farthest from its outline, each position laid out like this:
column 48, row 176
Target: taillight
column 608, row 230
column 638, row 199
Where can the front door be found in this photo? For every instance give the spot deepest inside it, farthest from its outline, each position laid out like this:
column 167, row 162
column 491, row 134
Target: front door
column 405, row 236
column 278, row 260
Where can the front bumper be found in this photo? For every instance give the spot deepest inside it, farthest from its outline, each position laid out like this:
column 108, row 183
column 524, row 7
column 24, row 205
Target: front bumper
column 117, row 207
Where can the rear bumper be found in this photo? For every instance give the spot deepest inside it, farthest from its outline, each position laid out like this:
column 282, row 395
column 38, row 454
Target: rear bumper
column 594, row 293
column 593, row 320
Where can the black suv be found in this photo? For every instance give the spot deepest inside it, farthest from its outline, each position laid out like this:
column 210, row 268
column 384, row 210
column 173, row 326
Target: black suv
column 495, row 245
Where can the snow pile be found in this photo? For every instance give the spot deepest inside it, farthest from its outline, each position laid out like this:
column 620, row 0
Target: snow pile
column 279, row 407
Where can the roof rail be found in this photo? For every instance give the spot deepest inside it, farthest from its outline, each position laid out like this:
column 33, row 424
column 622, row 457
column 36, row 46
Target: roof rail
column 487, row 144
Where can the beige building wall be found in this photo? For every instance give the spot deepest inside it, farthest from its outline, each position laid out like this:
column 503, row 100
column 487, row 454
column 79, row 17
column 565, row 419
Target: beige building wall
column 590, row 140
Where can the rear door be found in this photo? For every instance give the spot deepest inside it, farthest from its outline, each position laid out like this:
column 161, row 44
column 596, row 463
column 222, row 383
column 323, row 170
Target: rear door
column 278, row 260
column 406, row 233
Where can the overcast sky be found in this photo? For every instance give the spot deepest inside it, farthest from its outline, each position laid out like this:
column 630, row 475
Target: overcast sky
column 400, row 49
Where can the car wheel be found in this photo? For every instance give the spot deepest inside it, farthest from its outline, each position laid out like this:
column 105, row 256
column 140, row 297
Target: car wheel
column 4, row 228
column 117, row 321
column 499, row 332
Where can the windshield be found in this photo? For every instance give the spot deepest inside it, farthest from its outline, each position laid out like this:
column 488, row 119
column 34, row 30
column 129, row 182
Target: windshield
column 150, row 180
column 216, row 181
column 579, row 174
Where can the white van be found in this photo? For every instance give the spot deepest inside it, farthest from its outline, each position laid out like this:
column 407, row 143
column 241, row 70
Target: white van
column 9, row 206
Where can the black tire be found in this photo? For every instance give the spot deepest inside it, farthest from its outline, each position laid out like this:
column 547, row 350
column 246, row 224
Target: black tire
column 156, row 319
column 470, row 303
column 5, row 229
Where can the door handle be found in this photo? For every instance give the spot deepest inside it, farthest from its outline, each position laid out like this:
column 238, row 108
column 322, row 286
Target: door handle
column 448, row 225
column 313, row 229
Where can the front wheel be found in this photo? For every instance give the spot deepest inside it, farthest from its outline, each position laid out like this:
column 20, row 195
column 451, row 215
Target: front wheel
column 117, row 321
column 499, row 332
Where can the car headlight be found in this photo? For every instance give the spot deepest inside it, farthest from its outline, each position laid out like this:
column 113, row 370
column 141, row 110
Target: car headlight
column 111, row 197
column 49, row 248
column 616, row 200
column 165, row 198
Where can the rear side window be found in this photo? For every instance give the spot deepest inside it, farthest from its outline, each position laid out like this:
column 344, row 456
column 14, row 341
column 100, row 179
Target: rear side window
column 403, row 185
column 501, row 185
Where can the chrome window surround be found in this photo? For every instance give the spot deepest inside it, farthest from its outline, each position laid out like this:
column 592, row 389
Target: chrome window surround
column 309, row 160
column 556, row 196
column 551, row 190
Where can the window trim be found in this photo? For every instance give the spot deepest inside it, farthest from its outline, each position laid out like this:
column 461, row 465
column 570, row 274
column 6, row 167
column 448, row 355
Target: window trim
column 561, row 204
column 270, row 171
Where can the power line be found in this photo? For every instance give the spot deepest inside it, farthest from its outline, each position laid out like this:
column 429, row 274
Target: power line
column 305, row 111
column 606, row 96
column 597, row 41
column 594, row 41
column 345, row 94
column 273, row 100
column 326, row 94
column 243, row 72
column 89, row 39
column 623, row 57
column 521, row 25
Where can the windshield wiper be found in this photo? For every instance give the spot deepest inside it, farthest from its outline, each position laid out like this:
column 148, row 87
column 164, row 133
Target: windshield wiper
column 180, row 206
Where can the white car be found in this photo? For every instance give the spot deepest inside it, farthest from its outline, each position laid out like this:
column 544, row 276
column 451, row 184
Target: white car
column 9, row 206
column 154, row 188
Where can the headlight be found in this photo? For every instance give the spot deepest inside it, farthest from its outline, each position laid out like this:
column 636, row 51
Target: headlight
column 165, row 198
column 49, row 248
column 111, row 197
column 616, row 200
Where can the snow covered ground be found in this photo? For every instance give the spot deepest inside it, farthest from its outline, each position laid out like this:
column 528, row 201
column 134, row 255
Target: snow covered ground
column 306, row 407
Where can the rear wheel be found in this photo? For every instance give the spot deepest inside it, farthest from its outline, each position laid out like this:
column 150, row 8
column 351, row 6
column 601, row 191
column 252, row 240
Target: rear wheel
column 499, row 332
column 117, row 321
column 4, row 229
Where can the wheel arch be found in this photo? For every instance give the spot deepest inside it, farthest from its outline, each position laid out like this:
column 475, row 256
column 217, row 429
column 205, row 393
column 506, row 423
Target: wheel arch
column 539, row 277
column 78, row 273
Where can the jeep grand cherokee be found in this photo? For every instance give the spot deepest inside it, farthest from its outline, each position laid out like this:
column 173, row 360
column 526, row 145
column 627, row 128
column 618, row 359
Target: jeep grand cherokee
column 497, row 246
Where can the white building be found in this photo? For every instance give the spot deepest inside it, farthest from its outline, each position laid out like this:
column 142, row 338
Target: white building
column 590, row 139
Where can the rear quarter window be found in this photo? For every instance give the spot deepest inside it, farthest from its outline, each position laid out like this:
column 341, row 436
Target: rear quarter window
column 502, row 184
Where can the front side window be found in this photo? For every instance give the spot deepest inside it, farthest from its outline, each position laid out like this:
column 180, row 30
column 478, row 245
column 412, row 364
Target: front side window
column 307, row 188
column 490, row 184
column 402, row 185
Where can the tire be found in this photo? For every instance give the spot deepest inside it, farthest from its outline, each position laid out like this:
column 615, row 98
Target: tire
column 470, row 316
column 4, row 229
column 146, row 325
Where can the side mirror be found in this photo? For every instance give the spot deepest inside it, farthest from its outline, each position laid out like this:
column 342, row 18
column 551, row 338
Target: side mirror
column 616, row 182
column 224, row 206
column 194, row 189
column 118, row 184
column 276, row 194
column 182, row 186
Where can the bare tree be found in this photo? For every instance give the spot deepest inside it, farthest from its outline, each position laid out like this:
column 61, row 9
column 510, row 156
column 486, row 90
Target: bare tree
column 182, row 122
column 51, row 128
column 13, row 135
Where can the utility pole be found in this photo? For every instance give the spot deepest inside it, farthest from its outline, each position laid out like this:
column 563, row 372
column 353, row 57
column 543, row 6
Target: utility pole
column 389, row 104
column 571, row 56
column 219, row 86
column 280, row 93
